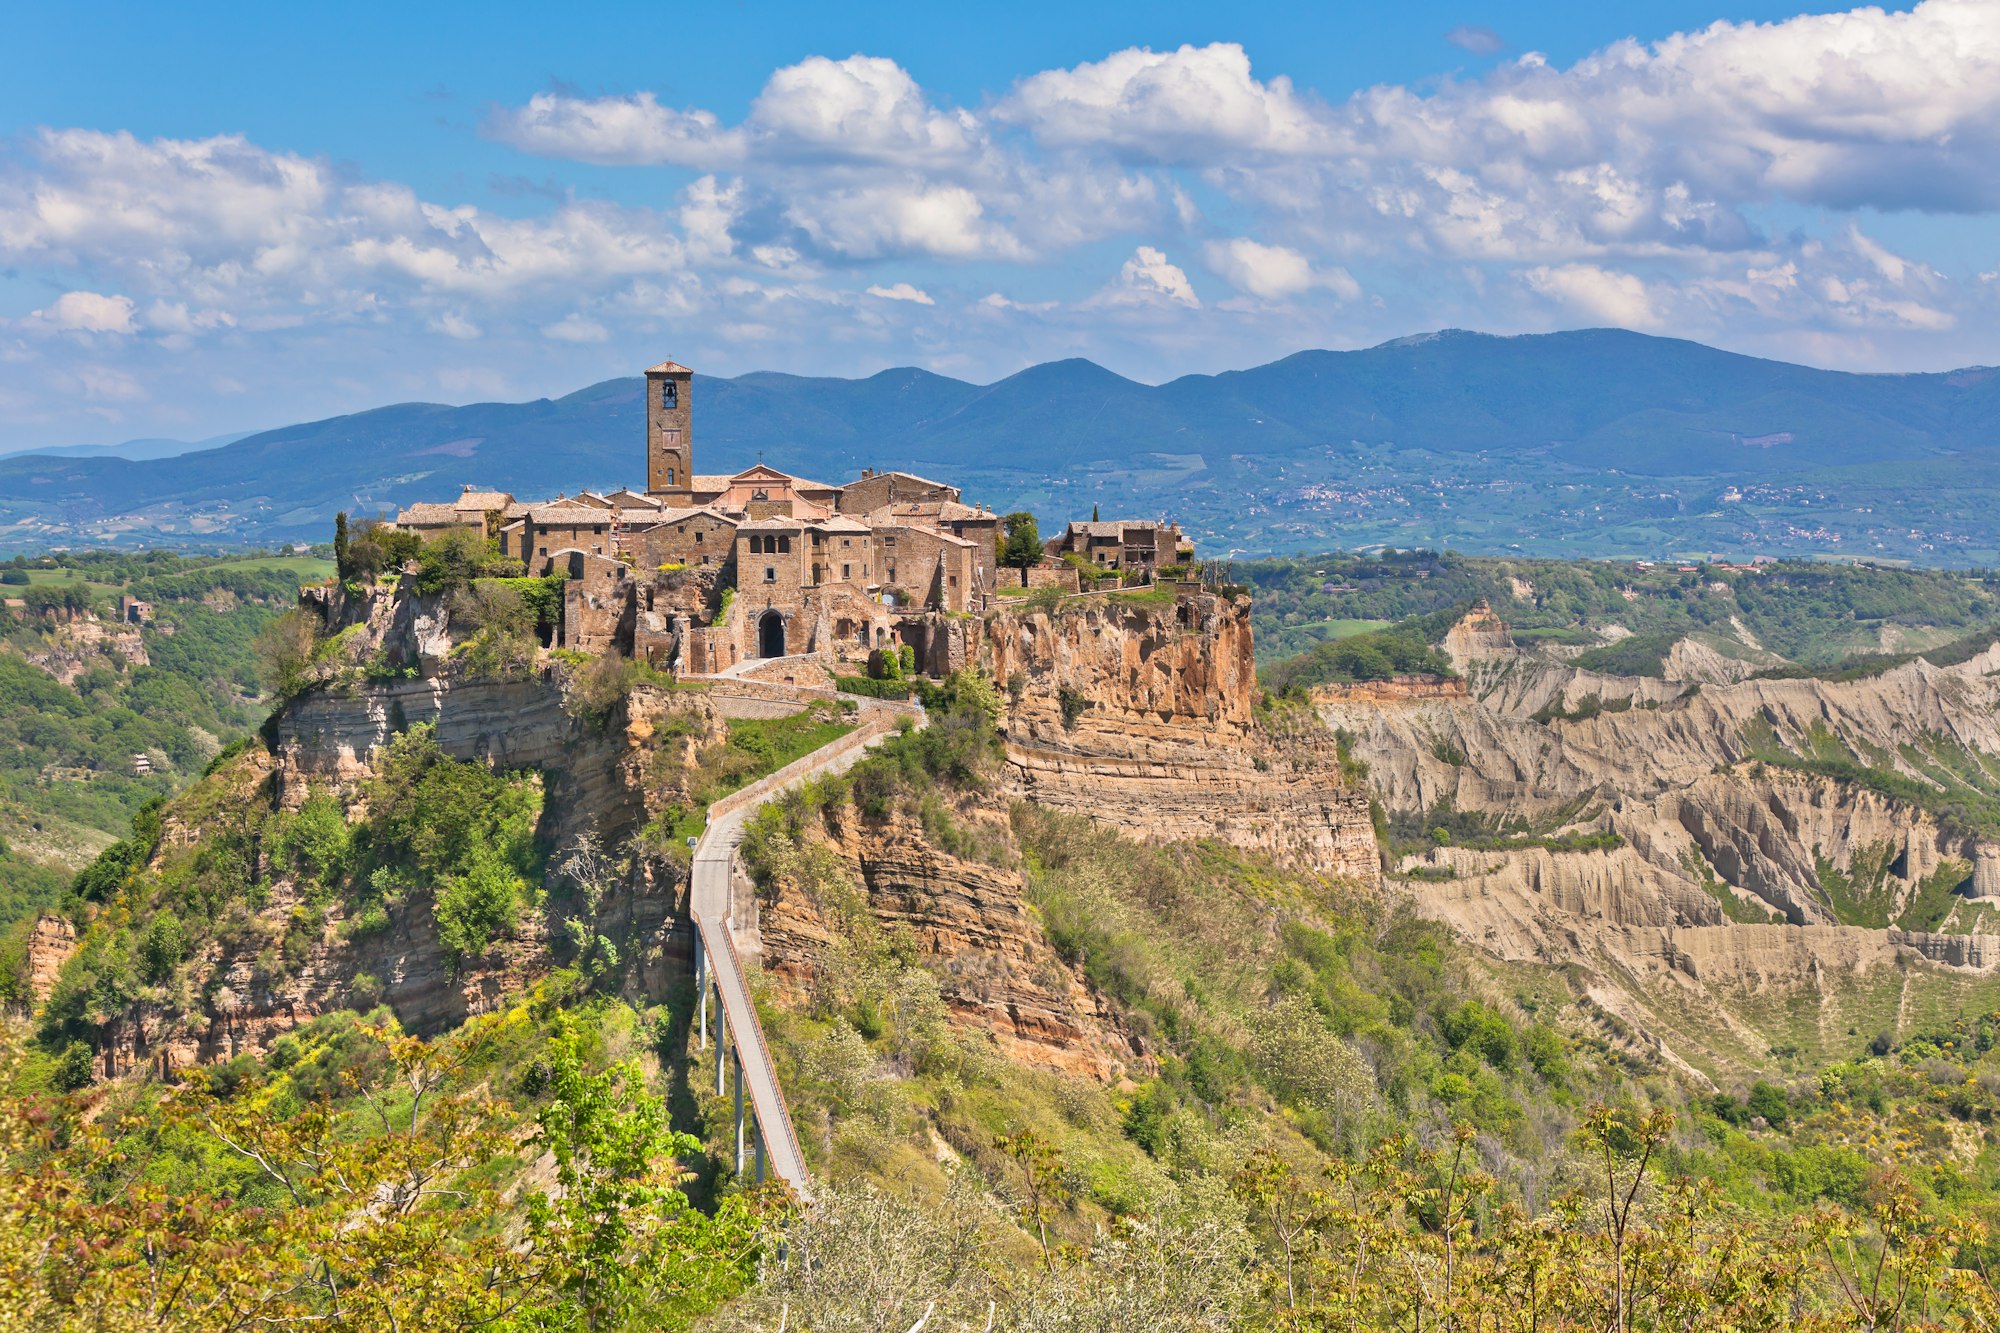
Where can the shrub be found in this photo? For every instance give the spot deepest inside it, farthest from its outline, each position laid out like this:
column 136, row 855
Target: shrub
column 477, row 907
column 165, row 946
column 76, row 1068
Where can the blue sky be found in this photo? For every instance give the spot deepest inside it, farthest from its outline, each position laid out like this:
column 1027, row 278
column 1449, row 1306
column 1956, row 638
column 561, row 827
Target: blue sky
column 226, row 217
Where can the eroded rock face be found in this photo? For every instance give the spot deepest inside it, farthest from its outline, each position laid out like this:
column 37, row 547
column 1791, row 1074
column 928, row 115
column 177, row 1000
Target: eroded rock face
column 997, row 972
column 1480, row 636
column 1145, row 718
column 1714, row 843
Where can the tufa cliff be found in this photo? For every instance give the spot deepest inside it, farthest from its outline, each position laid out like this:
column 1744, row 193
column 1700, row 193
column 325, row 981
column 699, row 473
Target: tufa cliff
column 1145, row 717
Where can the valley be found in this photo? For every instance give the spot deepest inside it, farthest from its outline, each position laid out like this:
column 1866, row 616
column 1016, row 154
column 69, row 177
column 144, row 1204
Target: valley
column 1134, row 939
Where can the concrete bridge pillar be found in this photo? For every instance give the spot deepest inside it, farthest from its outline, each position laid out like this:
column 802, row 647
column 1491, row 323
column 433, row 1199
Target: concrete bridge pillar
column 739, row 1110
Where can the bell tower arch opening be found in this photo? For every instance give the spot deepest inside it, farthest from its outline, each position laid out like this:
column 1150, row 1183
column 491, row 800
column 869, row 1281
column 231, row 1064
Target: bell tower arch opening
column 670, row 432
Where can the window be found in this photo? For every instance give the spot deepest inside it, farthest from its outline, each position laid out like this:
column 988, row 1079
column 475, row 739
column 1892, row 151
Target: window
column 784, row 546
column 892, row 570
column 597, row 531
column 770, row 574
column 846, row 571
column 545, row 550
column 670, row 476
column 697, row 536
column 669, row 396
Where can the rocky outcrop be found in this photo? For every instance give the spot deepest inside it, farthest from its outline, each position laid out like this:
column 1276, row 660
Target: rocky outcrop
column 258, row 978
column 1145, row 717
column 996, row 971
column 76, row 643
column 1479, row 637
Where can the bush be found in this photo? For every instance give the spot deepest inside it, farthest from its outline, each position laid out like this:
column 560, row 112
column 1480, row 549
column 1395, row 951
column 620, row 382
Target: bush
column 166, row 945
column 477, row 907
column 76, row 1068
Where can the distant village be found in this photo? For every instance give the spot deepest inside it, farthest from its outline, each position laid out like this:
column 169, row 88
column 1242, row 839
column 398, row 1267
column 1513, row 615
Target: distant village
column 702, row 572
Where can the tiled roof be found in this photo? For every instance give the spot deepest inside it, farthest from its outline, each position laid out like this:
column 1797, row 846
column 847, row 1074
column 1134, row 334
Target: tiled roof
column 565, row 514
column 771, row 525
column 945, row 510
column 841, row 523
column 670, row 368
column 483, row 500
column 429, row 516
column 671, row 515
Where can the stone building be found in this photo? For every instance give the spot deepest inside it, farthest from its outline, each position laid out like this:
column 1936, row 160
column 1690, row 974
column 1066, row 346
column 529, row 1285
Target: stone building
column 482, row 511
column 701, row 571
column 546, row 531
column 1124, row 544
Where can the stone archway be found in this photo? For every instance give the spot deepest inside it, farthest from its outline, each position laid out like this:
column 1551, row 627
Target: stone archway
column 771, row 634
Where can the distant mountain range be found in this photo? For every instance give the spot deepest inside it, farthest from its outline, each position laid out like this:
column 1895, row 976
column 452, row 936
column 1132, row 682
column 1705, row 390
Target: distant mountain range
column 1587, row 442
column 132, row 451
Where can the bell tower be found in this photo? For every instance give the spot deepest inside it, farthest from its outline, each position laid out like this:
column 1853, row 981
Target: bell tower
column 669, row 432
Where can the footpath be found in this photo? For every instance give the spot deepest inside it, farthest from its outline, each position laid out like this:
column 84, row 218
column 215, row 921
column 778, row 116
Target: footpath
column 717, row 960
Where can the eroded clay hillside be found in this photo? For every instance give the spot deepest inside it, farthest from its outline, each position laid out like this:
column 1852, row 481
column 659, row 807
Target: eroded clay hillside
column 1739, row 863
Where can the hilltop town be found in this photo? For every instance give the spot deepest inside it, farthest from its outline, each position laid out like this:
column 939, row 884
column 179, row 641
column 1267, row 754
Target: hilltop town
column 701, row 573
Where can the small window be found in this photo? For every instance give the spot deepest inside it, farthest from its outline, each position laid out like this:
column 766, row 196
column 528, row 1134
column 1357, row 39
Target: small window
column 784, row 546
column 770, row 574
column 846, row 571
column 597, row 531
column 669, row 396
column 697, row 536
column 545, row 550
column 670, row 476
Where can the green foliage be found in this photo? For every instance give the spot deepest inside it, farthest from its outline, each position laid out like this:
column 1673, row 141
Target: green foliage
column 1404, row 649
column 872, row 688
column 1020, row 540
column 458, row 828
column 1635, row 655
column 478, row 905
column 312, row 844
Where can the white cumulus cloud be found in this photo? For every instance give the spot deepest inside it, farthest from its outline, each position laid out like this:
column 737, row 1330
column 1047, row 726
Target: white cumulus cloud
column 902, row 291
column 1275, row 272
column 88, row 312
column 1598, row 294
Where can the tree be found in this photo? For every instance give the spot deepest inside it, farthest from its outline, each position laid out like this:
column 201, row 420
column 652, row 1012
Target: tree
column 342, row 569
column 620, row 1239
column 1042, row 1173
column 1020, row 542
column 287, row 647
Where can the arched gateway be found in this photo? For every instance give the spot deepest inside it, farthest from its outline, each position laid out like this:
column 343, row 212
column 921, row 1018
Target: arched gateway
column 771, row 634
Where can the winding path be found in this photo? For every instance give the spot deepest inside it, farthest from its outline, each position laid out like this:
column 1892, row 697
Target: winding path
column 714, row 873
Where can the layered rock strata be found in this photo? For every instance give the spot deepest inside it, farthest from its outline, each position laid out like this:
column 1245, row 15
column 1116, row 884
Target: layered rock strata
column 1144, row 717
